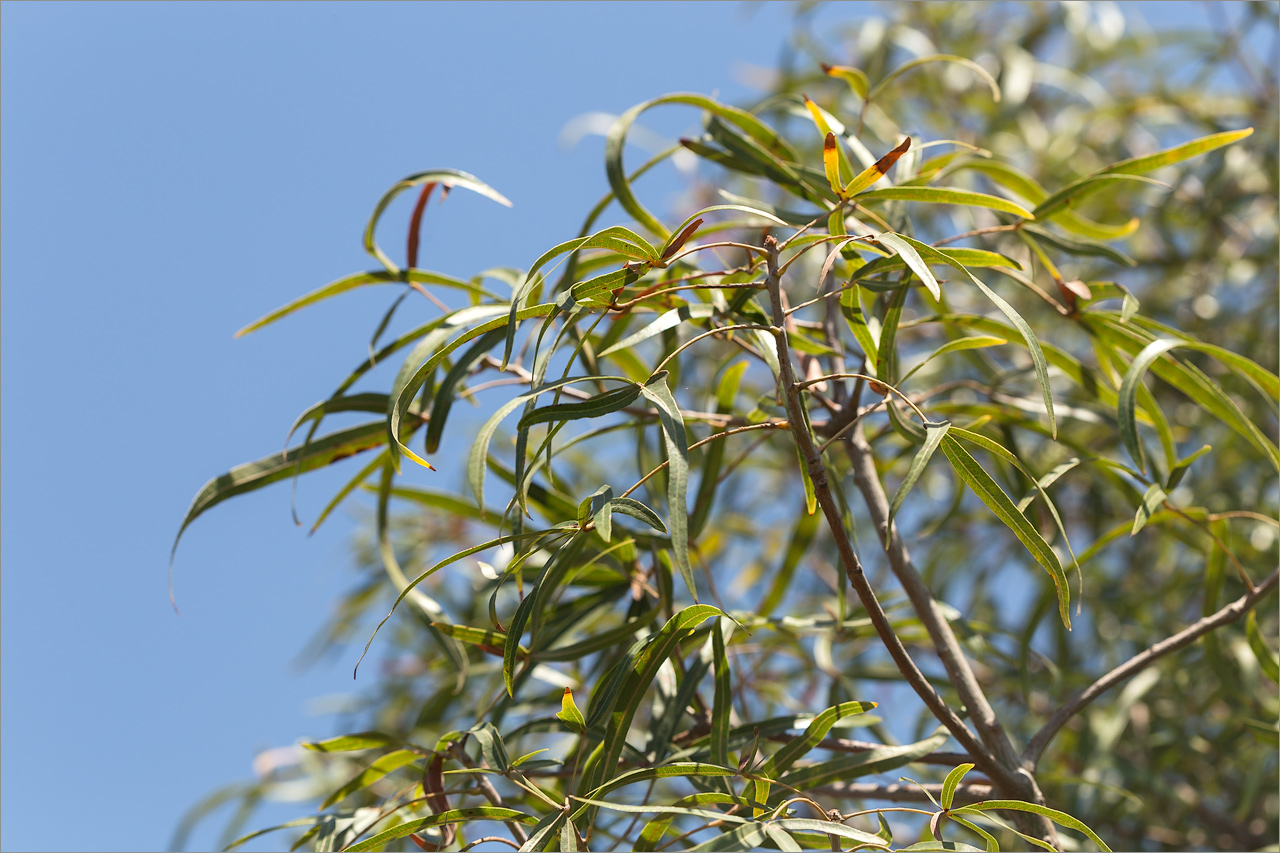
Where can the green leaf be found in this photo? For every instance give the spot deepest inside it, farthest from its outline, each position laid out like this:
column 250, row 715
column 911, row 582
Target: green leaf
column 827, row 827
column 641, row 671
column 912, row 259
column 1178, row 471
column 877, row 760
column 741, row 839
column 952, row 781
column 448, row 178
column 1060, row 818
column 982, row 73
column 968, row 257
column 657, row 392
column 1033, row 345
column 1080, row 247
column 855, row 77
column 1186, row 378
column 934, row 433
column 1135, row 166
column 476, row 462
column 1169, row 156
column 1267, row 659
column 361, row 279
column 664, row 771
column 386, row 764
column 597, row 407
column 272, row 469
column 616, row 140
column 851, row 308
column 722, row 701
column 414, row 381
column 350, row 743
column 813, row 735
column 980, row 482
column 1083, row 188
column 957, row 345
column 667, row 320
column 493, row 813
column 946, row 195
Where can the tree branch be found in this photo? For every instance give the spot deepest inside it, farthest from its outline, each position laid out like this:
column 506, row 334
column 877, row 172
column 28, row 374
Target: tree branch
column 852, row 566
column 1142, row 660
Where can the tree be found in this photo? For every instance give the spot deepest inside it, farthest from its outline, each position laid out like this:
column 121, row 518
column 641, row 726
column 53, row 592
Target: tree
column 957, row 392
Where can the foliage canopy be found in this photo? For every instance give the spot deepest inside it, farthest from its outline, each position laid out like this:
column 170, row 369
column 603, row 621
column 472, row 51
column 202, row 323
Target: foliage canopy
column 950, row 406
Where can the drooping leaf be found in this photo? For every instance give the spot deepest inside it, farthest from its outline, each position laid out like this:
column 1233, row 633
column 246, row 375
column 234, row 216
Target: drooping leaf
column 934, row 433
column 980, row 482
column 946, row 195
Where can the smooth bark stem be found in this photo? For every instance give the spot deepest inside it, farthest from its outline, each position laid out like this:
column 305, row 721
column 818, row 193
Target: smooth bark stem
column 994, row 755
column 926, row 606
column 853, row 568
column 1142, row 660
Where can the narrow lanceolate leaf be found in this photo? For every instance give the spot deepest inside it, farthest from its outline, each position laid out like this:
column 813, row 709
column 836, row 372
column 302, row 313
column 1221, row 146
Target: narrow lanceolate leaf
column 957, row 345
column 514, row 631
column 384, row 765
column 491, row 813
column 254, row 475
column 1060, row 818
column 1135, row 166
column 597, row 407
column 1267, row 659
column 831, row 163
column 1151, row 501
column 876, row 170
column 946, row 195
column 1179, row 470
column 476, row 462
column 950, row 784
column 361, row 279
column 1129, row 390
column 826, row 827
column 855, row 77
column 912, row 259
column 877, row 760
column 667, row 320
column 980, row 482
column 931, row 254
column 350, row 743
column 723, row 699
column 616, row 139
column 642, row 670
column 449, row 178
column 933, row 435
column 813, row 735
column 963, row 255
column 1169, row 156
column 657, row 392
column 413, row 382
column 977, row 69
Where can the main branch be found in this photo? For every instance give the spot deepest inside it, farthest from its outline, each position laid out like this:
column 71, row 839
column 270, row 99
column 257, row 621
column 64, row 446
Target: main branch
column 852, row 566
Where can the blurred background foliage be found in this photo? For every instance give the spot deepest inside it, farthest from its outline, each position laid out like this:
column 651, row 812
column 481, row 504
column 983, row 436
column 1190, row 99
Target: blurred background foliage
column 1183, row 756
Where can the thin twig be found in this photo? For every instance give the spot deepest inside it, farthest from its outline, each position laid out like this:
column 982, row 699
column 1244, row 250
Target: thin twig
column 1142, row 660
column 456, row 751
column 896, row 793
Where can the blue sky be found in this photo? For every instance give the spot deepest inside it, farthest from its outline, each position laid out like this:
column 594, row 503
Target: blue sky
column 170, row 173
